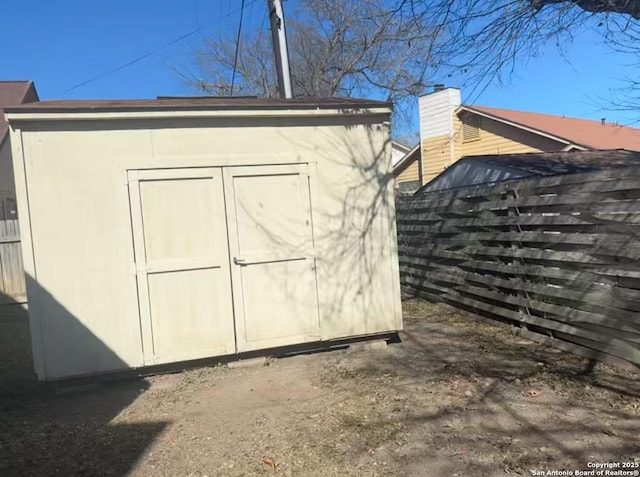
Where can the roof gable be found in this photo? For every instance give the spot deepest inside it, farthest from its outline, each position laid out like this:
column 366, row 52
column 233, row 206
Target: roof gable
column 408, row 159
column 14, row 93
column 582, row 132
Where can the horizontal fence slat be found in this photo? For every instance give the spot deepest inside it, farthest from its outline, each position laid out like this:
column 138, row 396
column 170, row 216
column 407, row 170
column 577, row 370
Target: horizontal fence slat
column 603, row 179
column 537, row 203
column 619, row 278
column 590, row 213
column 622, row 296
column 604, row 253
column 624, row 225
column 537, row 237
column 616, row 251
column 532, row 254
column 597, row 301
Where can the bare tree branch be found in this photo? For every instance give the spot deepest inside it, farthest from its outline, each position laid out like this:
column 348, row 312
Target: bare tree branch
column 396, row 49
column 628, row 7
column 374, row 48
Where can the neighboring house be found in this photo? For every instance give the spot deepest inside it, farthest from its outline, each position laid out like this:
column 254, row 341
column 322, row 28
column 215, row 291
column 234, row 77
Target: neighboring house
column 408, row 171
column 12, row 93
column 450, row 130
column 476, row 170
column 398, row 151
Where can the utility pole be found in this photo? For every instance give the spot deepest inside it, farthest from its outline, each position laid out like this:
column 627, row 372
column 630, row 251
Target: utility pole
column 279, row 39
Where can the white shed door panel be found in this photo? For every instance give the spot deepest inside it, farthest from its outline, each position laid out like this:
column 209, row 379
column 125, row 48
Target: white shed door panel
column 182, row 263
column 273, row 264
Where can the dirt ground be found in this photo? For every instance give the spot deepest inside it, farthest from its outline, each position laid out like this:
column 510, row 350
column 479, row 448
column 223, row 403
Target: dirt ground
column 456, row 397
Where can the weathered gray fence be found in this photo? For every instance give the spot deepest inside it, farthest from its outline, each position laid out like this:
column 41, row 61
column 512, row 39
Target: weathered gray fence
column 558, row 257
column 12, row 284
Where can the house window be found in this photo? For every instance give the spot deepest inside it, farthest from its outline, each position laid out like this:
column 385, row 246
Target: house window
column 470, row 128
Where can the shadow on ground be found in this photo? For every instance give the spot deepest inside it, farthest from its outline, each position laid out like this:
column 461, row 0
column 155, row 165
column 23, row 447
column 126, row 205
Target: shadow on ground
column 462, row 397
column 455, row 397
column 46, row 432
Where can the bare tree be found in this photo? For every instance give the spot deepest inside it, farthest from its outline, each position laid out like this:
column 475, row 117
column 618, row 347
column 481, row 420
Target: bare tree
column 215, row 63
column 488, row 39
column 337, row 48
column 627, row 7
column 396, row 49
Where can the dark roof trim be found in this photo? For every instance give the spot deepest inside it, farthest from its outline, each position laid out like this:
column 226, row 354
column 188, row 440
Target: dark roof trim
column 196, row 104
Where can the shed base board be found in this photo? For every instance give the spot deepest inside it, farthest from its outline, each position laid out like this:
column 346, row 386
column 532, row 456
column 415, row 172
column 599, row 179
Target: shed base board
column 280, row 352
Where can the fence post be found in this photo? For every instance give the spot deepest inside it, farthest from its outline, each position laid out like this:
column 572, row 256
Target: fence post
column 518, row 261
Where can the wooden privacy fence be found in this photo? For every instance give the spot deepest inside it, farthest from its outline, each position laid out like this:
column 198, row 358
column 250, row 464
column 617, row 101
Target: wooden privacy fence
column 557, row 256
column 12, row 283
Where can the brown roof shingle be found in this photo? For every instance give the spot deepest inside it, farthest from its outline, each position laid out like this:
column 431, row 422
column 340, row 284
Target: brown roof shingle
column 14, row 93
column 583, row 132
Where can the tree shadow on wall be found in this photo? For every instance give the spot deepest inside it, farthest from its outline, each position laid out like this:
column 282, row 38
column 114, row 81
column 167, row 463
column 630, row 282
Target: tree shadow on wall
column 353, row 219
column 352, row 212
column 62, row 430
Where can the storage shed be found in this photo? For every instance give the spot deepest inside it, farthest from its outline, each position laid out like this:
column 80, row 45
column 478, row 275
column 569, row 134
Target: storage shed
column 160, row 231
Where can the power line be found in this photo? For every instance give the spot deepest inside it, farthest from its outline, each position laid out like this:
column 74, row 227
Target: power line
column 132, row 62
column 153, row 52
column 235, row 59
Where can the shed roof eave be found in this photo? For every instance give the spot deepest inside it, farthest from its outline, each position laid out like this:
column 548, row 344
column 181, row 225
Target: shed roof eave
column 14, row 115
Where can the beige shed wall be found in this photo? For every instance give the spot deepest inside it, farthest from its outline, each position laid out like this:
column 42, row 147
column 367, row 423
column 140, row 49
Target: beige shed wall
column 79, row 253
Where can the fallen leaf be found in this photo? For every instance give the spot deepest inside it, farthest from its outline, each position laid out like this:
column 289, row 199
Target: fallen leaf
column 270, row 462
column 459, row 452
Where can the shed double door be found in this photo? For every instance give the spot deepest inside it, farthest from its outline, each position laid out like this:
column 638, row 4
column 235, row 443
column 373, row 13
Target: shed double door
column 224, row 260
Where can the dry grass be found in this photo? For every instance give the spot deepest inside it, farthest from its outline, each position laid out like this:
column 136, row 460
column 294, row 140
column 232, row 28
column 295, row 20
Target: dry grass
column 456, row 397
